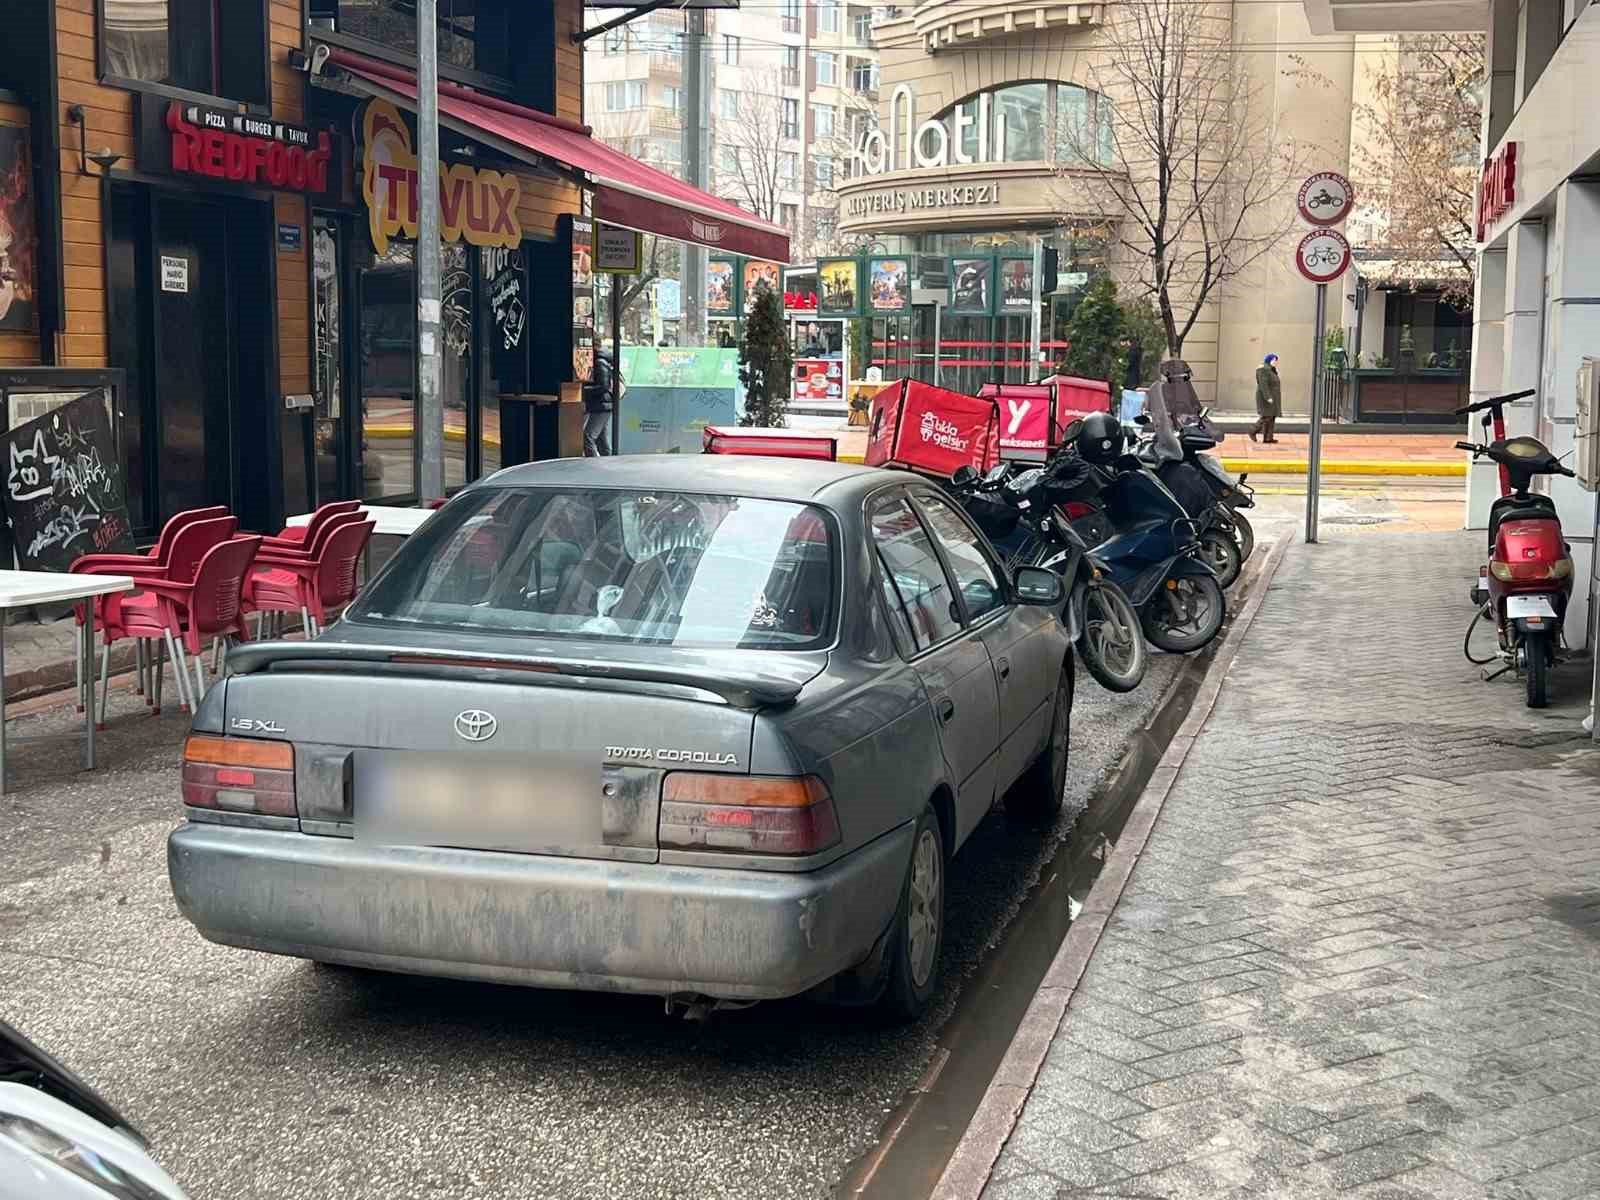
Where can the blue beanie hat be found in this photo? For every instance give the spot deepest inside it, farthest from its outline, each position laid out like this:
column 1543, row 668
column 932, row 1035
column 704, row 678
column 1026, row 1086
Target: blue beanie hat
column 1270, row 359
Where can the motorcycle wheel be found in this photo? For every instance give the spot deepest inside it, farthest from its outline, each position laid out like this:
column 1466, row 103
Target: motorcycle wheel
column 1112, row 641
column 1184, row 614
column 1245, row 534
column 1536, row 650
column 1221, row 553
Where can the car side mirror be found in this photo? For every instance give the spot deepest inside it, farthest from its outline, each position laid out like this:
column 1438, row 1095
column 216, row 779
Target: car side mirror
column 1037, row 585
column 964, row 476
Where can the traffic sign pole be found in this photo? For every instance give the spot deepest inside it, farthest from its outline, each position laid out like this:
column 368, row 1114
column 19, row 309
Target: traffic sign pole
column 1314, row 463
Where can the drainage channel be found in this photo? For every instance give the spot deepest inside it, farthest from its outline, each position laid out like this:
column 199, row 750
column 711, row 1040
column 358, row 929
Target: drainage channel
column 922, row 1132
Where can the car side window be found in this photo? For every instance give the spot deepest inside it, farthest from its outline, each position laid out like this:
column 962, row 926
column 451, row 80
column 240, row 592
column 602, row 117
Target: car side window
column 975, row 574
column 913, row 573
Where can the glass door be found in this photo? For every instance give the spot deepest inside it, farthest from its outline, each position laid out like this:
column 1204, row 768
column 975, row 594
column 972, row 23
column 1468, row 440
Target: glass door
column 329, row 374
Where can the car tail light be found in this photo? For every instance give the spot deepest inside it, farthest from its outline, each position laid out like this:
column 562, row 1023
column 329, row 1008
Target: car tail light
column 748, row 814
column 248, row 775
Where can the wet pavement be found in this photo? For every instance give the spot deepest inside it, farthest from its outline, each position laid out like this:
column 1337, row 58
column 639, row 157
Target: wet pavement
column 257, row 1076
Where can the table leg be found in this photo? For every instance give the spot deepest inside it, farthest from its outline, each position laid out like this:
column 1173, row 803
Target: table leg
column 89, row 716
column 2, row 703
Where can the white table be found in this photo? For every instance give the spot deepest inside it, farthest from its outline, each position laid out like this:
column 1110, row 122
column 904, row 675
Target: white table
column 28, row 589
column 388, row 521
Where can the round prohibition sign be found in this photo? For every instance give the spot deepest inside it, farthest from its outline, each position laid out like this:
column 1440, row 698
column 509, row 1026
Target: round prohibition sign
column 1322, row 255
column 1326, row 198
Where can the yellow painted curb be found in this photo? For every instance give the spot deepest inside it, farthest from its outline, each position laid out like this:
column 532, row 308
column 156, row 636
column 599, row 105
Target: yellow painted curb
column 1284, row 466
column 1334, row 466
column 391, row 432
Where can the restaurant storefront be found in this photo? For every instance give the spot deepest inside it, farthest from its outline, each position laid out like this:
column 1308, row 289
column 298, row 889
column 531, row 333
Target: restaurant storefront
column 220, row 201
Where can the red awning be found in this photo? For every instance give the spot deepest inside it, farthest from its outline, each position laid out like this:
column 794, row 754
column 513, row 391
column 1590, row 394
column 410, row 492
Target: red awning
column 627, row 192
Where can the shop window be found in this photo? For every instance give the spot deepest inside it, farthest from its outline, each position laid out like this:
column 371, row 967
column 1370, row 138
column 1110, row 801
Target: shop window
column 210, row 46
column 827, row 66
column 473, row 35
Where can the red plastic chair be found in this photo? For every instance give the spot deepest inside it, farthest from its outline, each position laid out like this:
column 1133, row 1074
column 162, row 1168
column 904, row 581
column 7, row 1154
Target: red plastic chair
column 188, row 547
column 186, row 616
column 316, row 585
column 275, row 556
column 296, row 537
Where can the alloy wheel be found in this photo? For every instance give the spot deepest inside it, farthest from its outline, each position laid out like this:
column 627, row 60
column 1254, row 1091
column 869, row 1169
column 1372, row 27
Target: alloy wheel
column 923, row 915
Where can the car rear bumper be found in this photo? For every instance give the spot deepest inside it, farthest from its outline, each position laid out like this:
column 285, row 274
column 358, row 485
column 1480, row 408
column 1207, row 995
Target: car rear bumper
column 538, row 921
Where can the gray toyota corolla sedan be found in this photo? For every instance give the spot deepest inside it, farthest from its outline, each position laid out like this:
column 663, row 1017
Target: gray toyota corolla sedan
column 703, row 727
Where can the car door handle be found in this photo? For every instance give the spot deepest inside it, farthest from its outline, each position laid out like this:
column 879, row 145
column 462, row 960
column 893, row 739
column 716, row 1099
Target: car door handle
column 947, row 709
column 1003, row 666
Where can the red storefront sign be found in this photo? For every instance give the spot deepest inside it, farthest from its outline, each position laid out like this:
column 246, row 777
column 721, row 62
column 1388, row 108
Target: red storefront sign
column 800, row 302
column 1497, row 188
column 260, row 152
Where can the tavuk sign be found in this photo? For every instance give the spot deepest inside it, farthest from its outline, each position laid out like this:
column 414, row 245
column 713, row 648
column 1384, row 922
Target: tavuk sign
column 476, row 206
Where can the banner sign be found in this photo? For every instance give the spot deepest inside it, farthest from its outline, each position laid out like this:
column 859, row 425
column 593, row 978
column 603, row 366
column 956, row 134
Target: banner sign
column 1024, row 418
column 66, row 495
column 891, row 285
column 840, row 291
column 722, row 287
column 215, row 143
column 972, row 286
column 478, row 207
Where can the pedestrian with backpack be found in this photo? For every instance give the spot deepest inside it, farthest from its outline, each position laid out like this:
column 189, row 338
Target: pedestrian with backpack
column 598, row 404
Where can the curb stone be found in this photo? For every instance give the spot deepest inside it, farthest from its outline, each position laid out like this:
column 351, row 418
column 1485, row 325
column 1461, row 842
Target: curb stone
column 967, row 1173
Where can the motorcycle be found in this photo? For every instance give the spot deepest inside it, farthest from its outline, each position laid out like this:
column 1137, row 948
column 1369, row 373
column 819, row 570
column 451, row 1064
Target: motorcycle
column 1148, row 541
column 1525, row 587
column 1018, row 509
column 1206, row 491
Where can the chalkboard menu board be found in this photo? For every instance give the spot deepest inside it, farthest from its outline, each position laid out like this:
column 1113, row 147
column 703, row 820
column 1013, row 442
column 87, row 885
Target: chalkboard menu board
column 505, row 276
column 65, row 491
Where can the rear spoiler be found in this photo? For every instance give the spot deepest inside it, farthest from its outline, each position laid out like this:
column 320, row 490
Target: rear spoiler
column 740, row 689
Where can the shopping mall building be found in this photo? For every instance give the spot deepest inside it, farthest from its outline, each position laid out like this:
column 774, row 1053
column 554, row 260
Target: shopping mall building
column 964, row 164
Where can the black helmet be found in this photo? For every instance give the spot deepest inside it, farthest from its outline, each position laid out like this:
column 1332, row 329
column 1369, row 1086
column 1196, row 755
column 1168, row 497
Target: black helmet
column 1101, row 438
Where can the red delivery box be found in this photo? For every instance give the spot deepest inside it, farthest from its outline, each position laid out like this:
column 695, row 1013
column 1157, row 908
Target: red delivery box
column 931, row 429
column 1032, row 415
column 773, row 443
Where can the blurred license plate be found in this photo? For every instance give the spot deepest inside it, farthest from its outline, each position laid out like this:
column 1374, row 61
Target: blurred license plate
column 548, row 805
column 1529, row 606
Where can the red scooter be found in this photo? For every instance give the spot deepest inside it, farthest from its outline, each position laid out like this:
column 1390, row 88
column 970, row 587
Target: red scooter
column 1527, row 582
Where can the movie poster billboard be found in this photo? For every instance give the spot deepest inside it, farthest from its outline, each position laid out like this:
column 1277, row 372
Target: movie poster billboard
column 972, row 286
column 1016, row 285
column 891, row 284
column 17, row 259
column 840, row 294
column 757, row 272
column 721, row 287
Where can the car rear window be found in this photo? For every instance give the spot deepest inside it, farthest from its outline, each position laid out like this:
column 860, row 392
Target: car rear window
column 658, row 568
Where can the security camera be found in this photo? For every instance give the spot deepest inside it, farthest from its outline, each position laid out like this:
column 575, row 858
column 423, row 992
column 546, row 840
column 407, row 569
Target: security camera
column 319, row 58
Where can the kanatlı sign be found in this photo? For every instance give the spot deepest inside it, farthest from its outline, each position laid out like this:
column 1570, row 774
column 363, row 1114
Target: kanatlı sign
column 478, row 207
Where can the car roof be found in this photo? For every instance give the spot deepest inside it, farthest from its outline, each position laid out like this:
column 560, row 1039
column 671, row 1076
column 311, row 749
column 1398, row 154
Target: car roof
column 757, row 476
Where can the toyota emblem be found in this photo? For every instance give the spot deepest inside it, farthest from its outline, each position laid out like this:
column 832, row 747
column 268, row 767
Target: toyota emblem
column 475, row 725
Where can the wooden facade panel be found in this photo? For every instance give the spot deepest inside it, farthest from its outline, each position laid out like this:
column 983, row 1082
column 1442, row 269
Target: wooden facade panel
column 19, row 350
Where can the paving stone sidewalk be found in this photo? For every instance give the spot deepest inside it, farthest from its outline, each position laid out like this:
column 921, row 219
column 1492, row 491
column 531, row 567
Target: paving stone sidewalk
column 1360, row 954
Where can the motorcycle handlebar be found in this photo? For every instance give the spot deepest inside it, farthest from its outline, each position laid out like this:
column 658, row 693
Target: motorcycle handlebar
column 1468, row 446
column 1495, row 401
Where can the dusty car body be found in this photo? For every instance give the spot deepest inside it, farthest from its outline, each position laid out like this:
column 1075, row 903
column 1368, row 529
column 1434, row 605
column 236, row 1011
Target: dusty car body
column 725, row 776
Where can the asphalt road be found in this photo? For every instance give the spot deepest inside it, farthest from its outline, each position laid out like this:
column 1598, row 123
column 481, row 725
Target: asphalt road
column 256, row 1076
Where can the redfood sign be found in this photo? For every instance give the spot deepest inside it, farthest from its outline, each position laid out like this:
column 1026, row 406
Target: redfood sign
column 1497, row 188
column 233, row 147
column 800, row 301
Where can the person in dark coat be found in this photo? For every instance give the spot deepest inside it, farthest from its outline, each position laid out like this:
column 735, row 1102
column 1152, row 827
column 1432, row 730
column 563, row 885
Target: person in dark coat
column 1269, row 398
column 597, row 407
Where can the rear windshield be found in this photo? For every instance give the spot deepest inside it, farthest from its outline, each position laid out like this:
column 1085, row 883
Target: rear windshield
column 654, row 568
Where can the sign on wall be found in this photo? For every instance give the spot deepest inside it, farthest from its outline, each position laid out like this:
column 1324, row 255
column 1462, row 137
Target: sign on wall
column 1016, row 285
column 972, row 286
column 890, row 284
column 475, row 206
column 65, row 491
column 1497, row 188
column 617, row 251
column 800, row 291
column 179, row 138
column 758, row 271
column 174, row 273
column 721, row 287
column 840, row 294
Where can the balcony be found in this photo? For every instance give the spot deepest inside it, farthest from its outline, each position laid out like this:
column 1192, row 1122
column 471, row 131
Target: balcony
column 943, row 26
column 1397, row 16
column 665, row 64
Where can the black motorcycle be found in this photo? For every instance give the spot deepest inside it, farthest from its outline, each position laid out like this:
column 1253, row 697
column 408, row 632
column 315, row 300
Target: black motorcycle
column 1019, row 509
column 1207, row 492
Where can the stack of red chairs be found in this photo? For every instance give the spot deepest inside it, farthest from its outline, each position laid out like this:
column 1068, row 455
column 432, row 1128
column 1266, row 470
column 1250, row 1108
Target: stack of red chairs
column 203, row 578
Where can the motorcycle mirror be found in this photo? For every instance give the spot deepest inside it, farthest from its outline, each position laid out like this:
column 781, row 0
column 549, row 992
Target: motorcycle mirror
column 964, row 476
column 1142, row 419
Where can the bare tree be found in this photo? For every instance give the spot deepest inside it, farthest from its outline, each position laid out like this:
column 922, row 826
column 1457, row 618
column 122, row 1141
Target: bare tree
column 751, row 167
column 1185, row 164
column 1416, row 159
column 821, row 237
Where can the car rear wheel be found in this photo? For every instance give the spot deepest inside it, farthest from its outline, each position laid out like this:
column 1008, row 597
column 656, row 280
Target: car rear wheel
column 1036, row 798
column 918, row 935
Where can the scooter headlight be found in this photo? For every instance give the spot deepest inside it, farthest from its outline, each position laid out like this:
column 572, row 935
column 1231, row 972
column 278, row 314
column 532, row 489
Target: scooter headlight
column 77, row 1159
